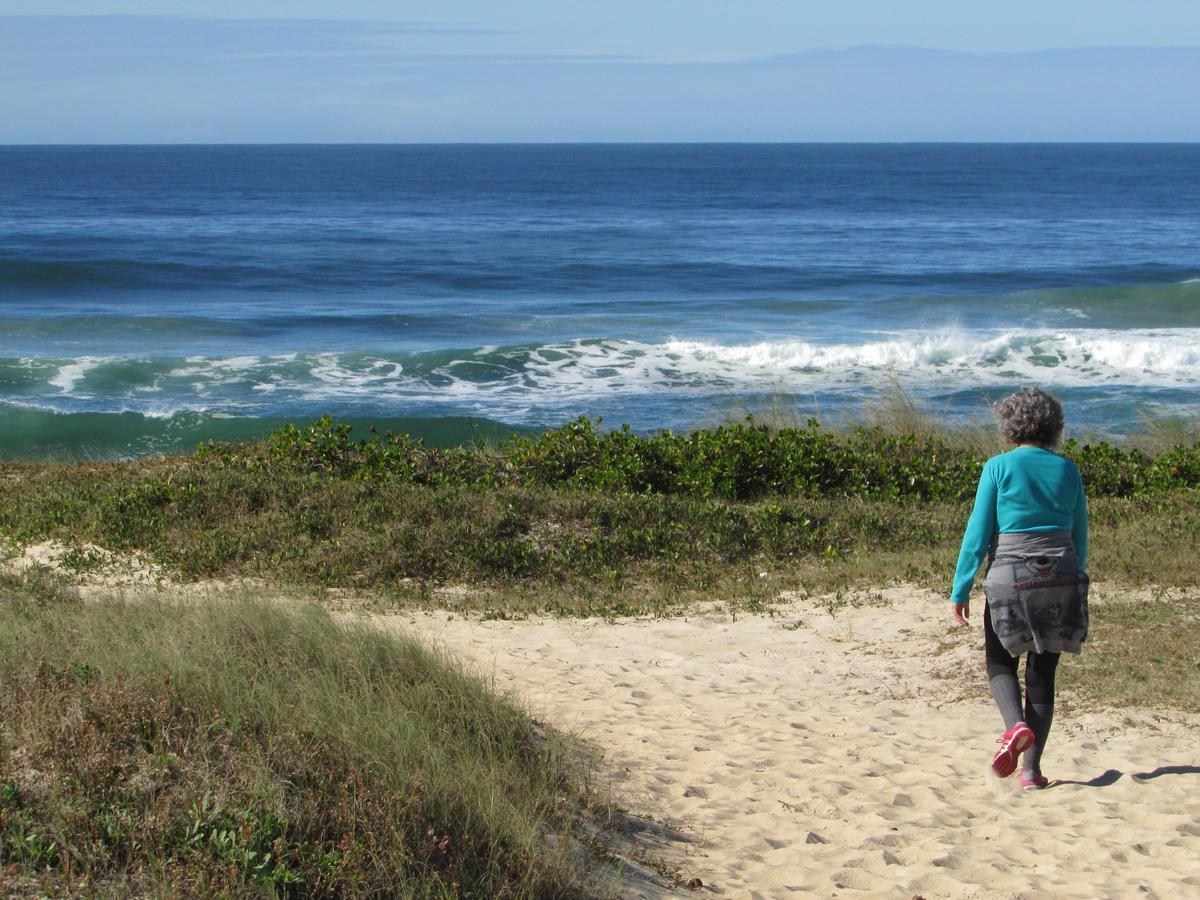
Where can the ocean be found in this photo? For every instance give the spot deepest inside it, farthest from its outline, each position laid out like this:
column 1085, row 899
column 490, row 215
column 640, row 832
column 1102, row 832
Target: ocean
column 155, row 297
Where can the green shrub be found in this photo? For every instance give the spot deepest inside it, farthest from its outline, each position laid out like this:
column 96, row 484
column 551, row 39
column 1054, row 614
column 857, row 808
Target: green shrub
column 576, row 512
column 741, row 462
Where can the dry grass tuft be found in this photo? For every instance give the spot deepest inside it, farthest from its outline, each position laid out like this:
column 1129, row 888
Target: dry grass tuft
column 1142, row 653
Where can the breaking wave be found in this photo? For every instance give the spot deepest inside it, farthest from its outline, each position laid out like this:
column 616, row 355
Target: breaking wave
column 512, row 380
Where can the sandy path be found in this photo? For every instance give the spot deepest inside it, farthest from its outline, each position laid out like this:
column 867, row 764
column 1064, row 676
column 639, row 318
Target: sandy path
column 819, row 753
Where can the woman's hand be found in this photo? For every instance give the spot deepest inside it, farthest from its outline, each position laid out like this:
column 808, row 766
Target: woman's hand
column 961, row 611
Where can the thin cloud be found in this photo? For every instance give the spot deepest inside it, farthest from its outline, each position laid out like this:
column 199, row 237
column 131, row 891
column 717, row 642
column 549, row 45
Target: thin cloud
column 406, row 27
column 446, row 59
column 121, row 40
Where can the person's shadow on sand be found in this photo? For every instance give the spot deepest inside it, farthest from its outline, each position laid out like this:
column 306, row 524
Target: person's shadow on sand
column 1141, row 777
column 1112, row 776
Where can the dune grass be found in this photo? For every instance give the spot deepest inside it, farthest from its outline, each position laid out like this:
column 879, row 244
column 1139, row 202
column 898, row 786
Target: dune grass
column 241, row 749
column 1142, row 652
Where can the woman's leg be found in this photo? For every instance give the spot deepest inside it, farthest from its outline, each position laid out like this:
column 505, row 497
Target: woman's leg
column 1039, row 705
column 1002, row 675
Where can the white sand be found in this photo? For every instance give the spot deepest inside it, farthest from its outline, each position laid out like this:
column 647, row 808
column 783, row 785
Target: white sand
column 105, row 569
column 819, row 753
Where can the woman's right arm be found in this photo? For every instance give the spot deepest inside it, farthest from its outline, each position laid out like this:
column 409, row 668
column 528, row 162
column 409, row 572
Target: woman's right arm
column 981, row 526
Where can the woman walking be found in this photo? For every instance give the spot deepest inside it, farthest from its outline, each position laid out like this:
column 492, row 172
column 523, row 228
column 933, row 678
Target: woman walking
column 1030, row 521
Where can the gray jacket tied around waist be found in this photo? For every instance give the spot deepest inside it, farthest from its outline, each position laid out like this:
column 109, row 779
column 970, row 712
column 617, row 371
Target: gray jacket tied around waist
column 1037, row 593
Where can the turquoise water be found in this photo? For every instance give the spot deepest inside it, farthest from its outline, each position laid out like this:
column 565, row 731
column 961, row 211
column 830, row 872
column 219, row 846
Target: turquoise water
column 153, row 297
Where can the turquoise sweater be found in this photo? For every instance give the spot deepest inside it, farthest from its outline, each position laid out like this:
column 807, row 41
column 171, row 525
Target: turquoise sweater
column 1025, row 489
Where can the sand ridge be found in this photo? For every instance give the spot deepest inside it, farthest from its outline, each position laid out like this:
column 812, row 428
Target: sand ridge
column 842, row 749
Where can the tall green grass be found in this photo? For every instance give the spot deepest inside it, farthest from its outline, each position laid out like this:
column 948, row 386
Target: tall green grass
column 242, row 749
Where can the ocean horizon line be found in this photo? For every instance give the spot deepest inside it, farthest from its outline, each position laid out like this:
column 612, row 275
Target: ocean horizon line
column 614, row 143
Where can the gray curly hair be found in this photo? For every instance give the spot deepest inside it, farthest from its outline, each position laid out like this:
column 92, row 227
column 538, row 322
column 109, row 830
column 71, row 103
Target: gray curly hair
column 1030, row 416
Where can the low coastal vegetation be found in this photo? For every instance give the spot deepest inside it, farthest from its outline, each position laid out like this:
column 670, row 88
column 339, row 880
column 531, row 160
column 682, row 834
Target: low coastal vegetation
column 582, row 520
column 242, row 749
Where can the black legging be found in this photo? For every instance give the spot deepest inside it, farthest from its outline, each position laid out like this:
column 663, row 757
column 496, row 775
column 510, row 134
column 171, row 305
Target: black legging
column 1039, row 667
column 1038, row 712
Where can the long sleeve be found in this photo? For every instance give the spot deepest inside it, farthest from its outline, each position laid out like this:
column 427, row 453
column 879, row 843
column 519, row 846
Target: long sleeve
column 981, row 527
column 1079, row 530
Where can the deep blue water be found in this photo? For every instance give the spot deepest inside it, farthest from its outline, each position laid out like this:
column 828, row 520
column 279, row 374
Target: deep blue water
column 151, row 297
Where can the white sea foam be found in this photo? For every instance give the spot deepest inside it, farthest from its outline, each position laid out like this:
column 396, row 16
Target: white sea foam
column 207, row 366
column 1141, row 357
column 163, row 410
column 509, row 381
column 579, row 370
column 70, row 374
column 373, row 373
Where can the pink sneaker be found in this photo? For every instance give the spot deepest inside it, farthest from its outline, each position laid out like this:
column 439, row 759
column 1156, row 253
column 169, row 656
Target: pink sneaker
column 1013, row 743
column 1032, row 782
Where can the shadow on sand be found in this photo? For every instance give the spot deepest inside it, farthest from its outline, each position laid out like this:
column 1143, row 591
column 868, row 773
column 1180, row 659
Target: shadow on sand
column 1112, row 776
column 1142, row 777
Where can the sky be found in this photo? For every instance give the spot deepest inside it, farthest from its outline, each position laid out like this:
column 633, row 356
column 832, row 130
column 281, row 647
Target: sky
column 185, row 71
